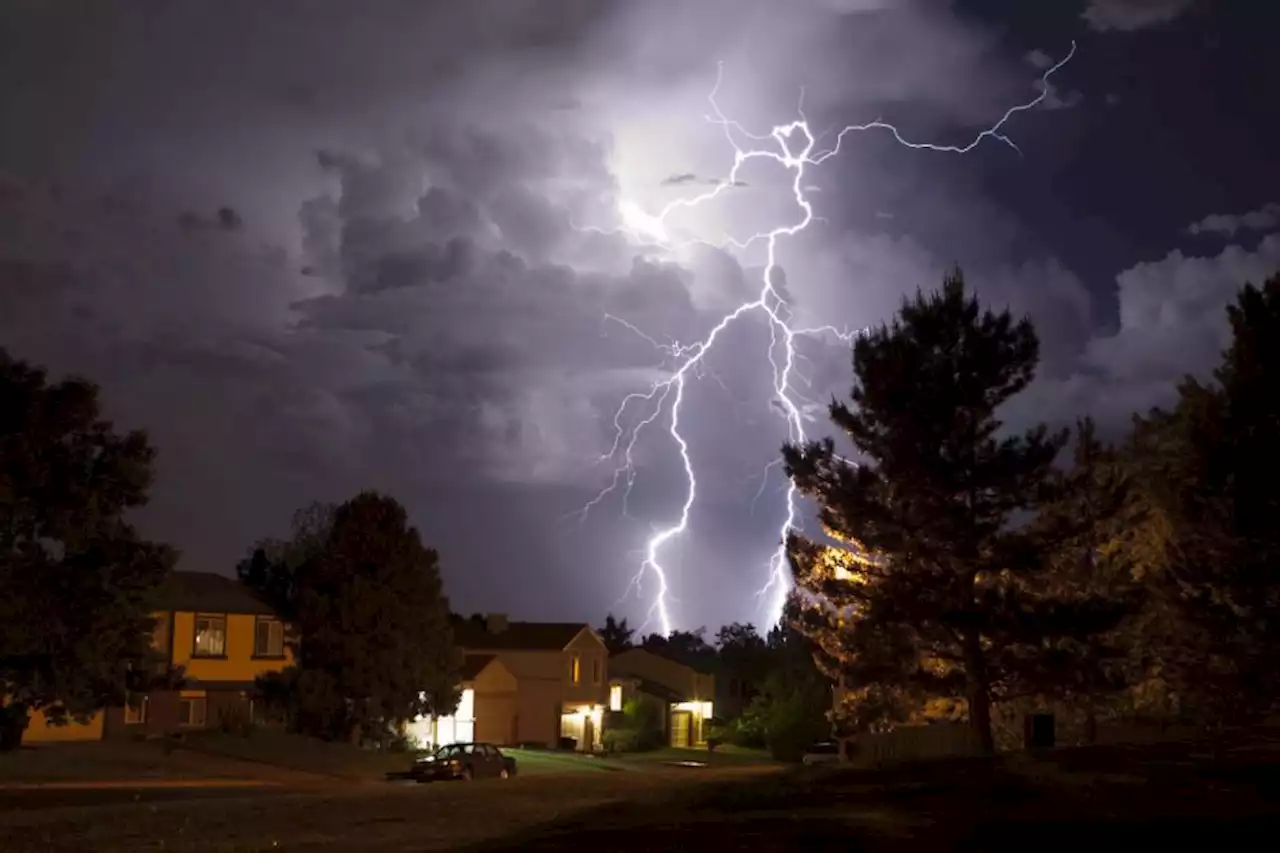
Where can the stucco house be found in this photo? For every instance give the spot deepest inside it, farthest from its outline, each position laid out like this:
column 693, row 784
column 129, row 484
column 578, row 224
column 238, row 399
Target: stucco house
column 686, row 694
column 221, row 635
column 525, row 683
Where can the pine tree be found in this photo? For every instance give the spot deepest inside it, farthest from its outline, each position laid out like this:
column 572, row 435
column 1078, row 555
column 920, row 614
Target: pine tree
column 950, row 605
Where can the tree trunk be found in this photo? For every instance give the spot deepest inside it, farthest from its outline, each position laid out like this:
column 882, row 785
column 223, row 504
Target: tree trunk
column 979, row 694
column 13, row 723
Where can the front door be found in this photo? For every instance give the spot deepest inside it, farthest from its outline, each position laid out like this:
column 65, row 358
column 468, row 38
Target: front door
column 588, row 742
column 681, row 728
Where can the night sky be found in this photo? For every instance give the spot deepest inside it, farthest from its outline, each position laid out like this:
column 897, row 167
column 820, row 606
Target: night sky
column 315, row 247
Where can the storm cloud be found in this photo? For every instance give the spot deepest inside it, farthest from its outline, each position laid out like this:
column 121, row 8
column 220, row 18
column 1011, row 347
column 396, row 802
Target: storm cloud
column 314, row 248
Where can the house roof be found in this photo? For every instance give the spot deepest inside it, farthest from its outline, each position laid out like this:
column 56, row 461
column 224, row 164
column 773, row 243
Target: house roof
column 517, row 636
column 655, row 689
column 473, row 665
column 210, row 592
column 669, row 658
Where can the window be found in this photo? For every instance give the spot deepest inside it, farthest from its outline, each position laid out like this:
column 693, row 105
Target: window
column 595, row 670
column 211, row 637
column 192, row 711
column 615, row 697
column 269, row 638
column 135, row 710
column 575, row 669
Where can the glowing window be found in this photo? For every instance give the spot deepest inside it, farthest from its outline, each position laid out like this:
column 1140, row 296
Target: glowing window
column 211, row 637
column 615, row 697
column 575, row 669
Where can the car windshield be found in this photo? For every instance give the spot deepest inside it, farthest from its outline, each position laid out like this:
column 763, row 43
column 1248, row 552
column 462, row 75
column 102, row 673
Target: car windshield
column 453, row 750
column 824, row 748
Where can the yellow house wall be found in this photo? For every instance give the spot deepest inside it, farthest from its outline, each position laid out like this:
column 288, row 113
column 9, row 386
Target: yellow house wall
column 239, row 664
column 680, row 679
column 40, row 730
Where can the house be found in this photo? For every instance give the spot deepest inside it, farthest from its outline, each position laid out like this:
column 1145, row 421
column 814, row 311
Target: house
column 221, row 635
column 525, row 683
column 686, row 694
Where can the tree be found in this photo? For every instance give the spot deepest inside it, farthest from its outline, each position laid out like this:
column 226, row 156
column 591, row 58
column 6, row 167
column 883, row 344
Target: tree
column 616, row 635
column 77, row 583
column 372, row 635
column 936, row 532
column 790, row 710
column 1209, row 472
column 687, row 647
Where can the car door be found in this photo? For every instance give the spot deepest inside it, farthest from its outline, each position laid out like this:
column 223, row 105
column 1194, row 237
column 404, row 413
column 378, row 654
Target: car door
column 492, row 761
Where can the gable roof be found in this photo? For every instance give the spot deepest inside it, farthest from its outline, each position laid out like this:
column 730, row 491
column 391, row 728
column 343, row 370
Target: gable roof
column 517, row 636
column 634, row 651
column 473, row 665
column 212, row 593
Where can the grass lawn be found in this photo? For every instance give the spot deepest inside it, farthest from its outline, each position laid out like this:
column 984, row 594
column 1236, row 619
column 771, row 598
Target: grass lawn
column 538, row 762
column 300, row 753
column 111, row 760
column 723, row 756
column 1190, row 795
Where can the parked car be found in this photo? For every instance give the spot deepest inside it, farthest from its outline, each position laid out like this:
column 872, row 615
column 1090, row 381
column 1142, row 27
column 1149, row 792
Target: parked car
column 823, row 752
column 464, row 761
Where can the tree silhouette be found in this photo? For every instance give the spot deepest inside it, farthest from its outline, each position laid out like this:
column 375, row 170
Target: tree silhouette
column 77, row 583
column 371, row 625
column 934, row 584
column 615, row 634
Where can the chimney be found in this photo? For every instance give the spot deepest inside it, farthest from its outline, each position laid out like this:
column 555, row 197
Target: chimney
column 495, row 623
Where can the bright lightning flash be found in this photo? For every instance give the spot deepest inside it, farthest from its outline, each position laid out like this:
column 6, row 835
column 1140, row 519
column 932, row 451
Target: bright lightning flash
column 792, row 147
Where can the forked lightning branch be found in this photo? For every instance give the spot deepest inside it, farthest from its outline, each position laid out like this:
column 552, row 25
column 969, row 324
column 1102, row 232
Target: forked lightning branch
column 793, row 147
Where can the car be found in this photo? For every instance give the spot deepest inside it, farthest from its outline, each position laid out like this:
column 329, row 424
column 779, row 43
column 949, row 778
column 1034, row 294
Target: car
column 822, row 752
column 464, row 761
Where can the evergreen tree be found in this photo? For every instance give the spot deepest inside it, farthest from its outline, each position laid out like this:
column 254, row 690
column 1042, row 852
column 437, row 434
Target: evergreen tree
column 1210, row 471
column 372, row 634
column 615, row 634
column 952, row 604
column 77, row 583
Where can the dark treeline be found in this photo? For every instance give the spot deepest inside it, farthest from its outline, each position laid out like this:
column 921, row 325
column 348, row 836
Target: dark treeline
column 975, row 572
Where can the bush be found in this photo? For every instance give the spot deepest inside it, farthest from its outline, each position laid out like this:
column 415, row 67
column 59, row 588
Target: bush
column 621, row 740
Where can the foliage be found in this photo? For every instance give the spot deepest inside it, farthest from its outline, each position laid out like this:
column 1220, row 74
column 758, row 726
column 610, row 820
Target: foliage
column 77, row 583
column 638, row 728
column 935, row 586
column 371, row 632
column 687, row 647
column 1208, row 472
column 615, row 635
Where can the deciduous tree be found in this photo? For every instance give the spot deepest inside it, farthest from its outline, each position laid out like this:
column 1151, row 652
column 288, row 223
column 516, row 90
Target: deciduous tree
column 77, row 583
column 371, row 626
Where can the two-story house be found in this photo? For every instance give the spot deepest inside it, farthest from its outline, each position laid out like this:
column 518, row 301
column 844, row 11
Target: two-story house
column 221, row 635
column 525, row 683
column 686, row 694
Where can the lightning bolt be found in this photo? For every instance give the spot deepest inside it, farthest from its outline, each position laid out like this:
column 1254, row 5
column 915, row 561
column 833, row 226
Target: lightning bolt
column 792, row 146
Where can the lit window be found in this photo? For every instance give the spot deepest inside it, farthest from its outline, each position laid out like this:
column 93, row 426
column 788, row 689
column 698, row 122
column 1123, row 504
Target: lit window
column 135, row 710
column 269, row 639
column 575, row 669
column 192, row 711
column 615, row 697
column 595, row 670
column 211, row 637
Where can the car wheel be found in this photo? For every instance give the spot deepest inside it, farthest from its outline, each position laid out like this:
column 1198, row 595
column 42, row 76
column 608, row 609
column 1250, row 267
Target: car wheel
column 504, row 774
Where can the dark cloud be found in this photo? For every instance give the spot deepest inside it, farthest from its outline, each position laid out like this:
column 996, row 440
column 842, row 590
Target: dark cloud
column 1265, row 218
column 402, row 252
column 1127, row 15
